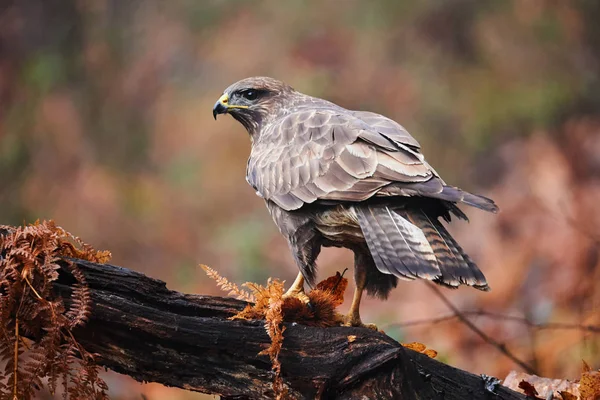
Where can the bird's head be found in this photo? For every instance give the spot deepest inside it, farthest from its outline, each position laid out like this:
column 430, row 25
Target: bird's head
column 252, row 100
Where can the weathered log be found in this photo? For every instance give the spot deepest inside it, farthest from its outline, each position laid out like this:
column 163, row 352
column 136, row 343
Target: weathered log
column 140, row 328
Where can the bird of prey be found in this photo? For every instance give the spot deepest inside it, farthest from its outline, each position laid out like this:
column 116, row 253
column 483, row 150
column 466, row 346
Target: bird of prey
column 353, row 179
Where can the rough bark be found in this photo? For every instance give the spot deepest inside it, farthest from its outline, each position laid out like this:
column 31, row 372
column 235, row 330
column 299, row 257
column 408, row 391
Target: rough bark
column 141, row 329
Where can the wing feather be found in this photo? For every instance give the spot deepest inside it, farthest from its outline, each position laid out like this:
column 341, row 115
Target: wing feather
column 335, row 154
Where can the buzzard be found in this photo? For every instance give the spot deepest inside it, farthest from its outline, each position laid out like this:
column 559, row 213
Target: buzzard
column 353, row 179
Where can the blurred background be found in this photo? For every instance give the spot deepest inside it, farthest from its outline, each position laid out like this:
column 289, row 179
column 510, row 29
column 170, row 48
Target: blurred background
column 106, row 127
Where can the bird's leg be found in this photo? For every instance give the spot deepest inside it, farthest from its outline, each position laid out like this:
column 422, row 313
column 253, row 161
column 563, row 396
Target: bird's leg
column 360, row 282
column 297, row 289
column 297, row 286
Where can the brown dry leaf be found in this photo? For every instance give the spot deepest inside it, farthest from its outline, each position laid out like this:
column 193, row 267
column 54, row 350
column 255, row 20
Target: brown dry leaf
column 351, row 338
column 430, row 353
column 416, row 346
column 567, row 396
column 544, row 386
column 336, row 286
column 529, row 389
column 420, row 348
column 589, row 384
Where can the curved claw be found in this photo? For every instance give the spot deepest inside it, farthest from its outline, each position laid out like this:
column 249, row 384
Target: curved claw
column 352, row 320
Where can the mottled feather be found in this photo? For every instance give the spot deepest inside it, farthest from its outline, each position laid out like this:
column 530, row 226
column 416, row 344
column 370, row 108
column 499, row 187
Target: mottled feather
column 308, row 155
column 355, row 179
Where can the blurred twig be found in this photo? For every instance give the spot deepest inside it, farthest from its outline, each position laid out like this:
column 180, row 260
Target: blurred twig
column 486, row 338
column 504, row 317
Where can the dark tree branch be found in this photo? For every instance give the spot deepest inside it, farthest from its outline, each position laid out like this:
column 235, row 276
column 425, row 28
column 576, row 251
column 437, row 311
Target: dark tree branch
column 140, row 328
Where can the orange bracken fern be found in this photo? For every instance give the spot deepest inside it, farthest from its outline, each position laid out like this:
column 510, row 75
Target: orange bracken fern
column 36, row 340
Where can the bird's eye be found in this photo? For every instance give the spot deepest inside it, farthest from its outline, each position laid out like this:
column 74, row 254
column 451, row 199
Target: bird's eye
column 250, row 94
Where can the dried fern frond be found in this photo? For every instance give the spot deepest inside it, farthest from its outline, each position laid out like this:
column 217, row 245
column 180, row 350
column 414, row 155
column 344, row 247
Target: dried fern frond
column 274, row 327
column 224, row 284
column 30, row 260
column 270, row 304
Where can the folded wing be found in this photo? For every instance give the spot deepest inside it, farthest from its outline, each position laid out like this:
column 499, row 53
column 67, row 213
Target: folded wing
column 349, row 156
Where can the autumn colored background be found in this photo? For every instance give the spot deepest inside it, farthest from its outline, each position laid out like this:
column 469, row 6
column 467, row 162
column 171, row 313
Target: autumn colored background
column 106, row 127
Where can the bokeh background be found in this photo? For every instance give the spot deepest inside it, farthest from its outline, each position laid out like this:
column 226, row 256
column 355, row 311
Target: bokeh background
column 106, row 127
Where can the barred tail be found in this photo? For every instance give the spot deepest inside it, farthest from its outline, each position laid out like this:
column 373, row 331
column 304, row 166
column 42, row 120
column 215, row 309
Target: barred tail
column 409, row 244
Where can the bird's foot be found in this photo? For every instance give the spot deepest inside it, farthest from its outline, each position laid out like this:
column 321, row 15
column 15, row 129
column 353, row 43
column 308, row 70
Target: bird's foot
column 353, row 320
column 297, row 293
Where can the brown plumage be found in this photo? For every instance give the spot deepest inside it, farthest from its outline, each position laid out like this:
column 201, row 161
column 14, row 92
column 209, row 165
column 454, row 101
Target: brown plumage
column 354, row 179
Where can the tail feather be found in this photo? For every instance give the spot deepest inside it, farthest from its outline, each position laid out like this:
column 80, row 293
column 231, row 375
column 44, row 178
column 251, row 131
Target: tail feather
column 397, row 246
column 446, row 257
column 410, row 243
column 435, row 188
column 480, row 282
column 456, row 195
column 463, row 270
column 456, row 267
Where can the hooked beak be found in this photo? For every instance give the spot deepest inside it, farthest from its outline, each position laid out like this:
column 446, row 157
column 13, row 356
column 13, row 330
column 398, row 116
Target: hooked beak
column 221, row 106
